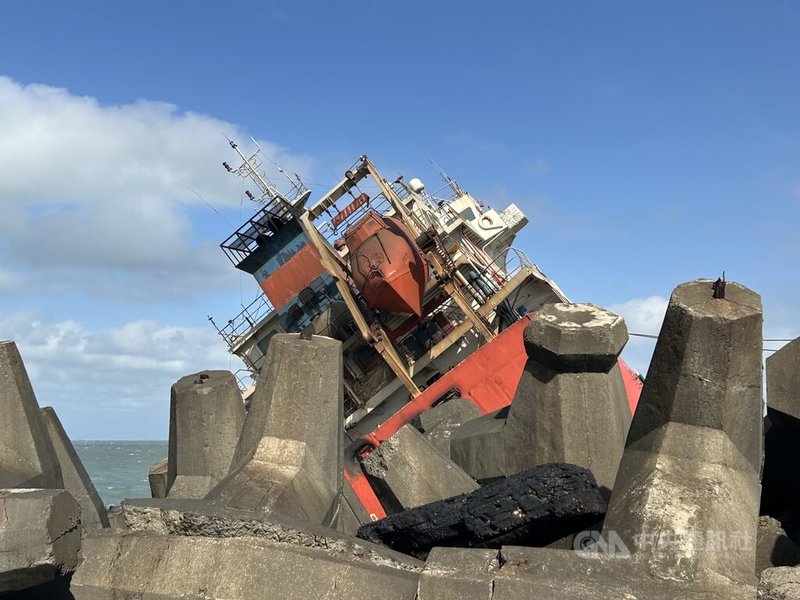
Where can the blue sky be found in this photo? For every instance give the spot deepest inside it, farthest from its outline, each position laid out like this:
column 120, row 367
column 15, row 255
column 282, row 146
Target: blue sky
column 649, row 143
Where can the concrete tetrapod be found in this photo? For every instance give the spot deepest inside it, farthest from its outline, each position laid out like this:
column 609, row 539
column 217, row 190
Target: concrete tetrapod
column 152, row 565
column 773, row 546
column 206, row 416
column 157, row 478
column 690, row 472
column 27, row 457
column 76, row 479
column 570, row 405
column 351, row 512
column 289, row 456
column 407, row 471
column 780, row 583
column 458, row 573
column 40, row 536
column 783, row 379
column 197, row 518
column 683, row 515
column 439, row 422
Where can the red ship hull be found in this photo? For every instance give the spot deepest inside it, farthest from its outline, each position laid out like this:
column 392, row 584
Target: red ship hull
column 488, row 378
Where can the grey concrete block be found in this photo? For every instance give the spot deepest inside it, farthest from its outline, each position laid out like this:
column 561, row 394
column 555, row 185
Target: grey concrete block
column 76, row 480
column 577, row 418
column 408, row 469
column 116, row 517
column 773, row 546
column 191, row 486
column 289, row 457
column 439, row 423
column 157, row 477
column 352, row 513
column 780, row 583
column 196, row 518
column 575, row 338
column 347, row 520
column 27, row 457
column 567, row 574
column 40, row 536
column 570, row 404
column 457, row 573
column 149, row 565
column 693, row 454
column 479, row 446
column 206, row 416
column 682, row 517
column 783, row 379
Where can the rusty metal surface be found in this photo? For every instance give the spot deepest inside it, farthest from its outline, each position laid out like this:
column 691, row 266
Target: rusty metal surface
column 387, row 266
column 348, row 210
column 291, row 277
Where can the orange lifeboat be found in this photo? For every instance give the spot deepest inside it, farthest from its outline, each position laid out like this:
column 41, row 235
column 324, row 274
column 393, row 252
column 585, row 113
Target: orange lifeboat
column 387, row 265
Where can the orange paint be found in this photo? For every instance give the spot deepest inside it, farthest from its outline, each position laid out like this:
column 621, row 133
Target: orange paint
column 488, row 378
column 292, row 276
column 386, row 264
column 363, row 490
column 633, row 385
column 348, row 210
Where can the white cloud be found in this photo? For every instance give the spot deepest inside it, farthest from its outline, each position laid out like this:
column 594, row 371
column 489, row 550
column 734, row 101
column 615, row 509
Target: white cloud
column 86, row 186
column 111, row 383
column 55, row 145
column 642, row 316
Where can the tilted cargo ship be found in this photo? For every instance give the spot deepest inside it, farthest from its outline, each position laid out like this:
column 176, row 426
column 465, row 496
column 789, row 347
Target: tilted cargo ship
column 425, row 291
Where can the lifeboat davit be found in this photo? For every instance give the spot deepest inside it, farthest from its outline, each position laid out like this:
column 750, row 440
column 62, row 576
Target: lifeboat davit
column 388, row 267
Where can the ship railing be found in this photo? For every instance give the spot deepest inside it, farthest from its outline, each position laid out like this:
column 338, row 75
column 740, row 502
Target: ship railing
column 244, row 241
column 444, row 194
column 426, row 219
column 250, row 315
column 297, row 191
column 245, row 379
column 331, row 232
column 400, row 190
column 454, row 315
column 434, row 201
column 439, row 217
column 503, row 268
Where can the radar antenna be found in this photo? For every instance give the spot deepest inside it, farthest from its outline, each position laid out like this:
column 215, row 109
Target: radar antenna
column 452, row 183
column 251, row 167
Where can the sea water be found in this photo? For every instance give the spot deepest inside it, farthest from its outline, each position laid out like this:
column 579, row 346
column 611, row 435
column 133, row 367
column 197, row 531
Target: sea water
column 119, row 469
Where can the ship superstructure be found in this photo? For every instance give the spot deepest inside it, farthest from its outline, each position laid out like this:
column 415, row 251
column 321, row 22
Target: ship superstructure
column 412, row 283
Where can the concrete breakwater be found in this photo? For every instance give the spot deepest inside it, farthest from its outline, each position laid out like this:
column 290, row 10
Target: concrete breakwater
column 561, row 495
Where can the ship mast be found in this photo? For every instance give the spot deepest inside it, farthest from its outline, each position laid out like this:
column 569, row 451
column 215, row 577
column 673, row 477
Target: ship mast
column 451, row 183
column 251, row 168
